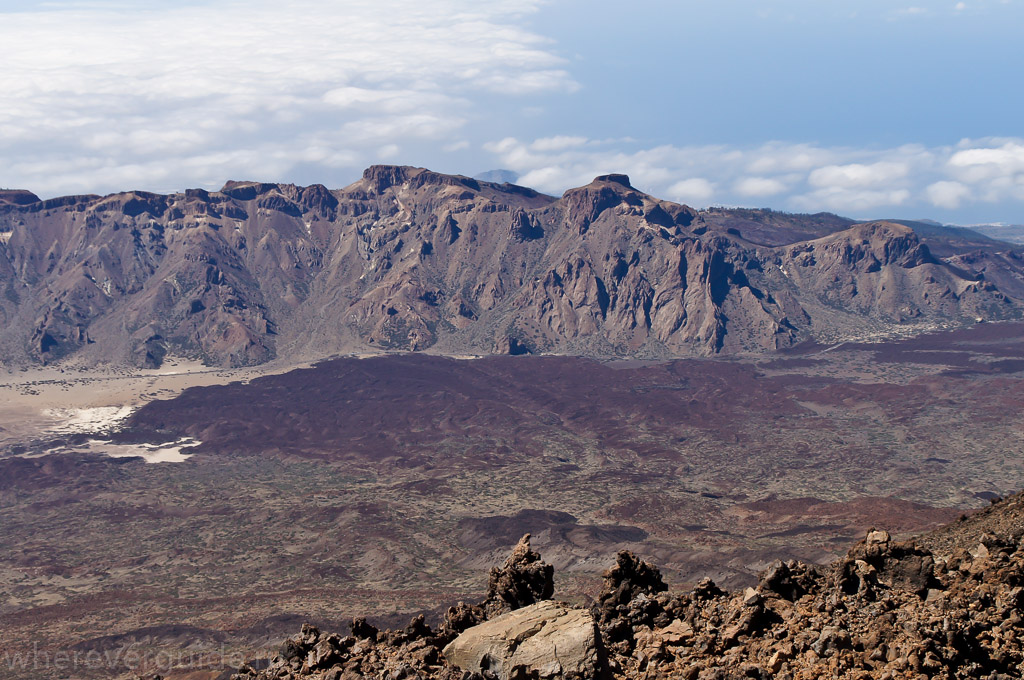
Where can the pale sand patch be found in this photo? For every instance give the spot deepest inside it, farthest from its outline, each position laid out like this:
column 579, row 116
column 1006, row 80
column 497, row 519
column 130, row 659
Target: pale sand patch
column 151, row 453
column 169, row 452
column 84, row 420
column 56, row 400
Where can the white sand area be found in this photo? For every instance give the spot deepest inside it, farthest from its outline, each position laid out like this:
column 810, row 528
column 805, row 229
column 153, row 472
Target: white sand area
column 41, row 402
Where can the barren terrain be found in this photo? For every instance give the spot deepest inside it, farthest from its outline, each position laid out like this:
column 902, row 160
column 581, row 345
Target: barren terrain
column 348, row 487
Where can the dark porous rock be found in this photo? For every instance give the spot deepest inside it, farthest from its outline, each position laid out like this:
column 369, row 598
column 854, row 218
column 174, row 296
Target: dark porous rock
column 633, row 597
column 460, row 617
column 630, row 579
column 878, row 560
column 524, row 579
column 706, row 589
column 363, row 630
column 789, row 580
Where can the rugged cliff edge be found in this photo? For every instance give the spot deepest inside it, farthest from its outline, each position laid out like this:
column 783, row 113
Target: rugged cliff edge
column 889, row 609
column 409, row 259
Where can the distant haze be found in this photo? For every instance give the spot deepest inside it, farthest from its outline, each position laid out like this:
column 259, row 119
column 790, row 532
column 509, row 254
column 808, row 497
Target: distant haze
column 1014, row 233
column 498, row 176
column 865, row 109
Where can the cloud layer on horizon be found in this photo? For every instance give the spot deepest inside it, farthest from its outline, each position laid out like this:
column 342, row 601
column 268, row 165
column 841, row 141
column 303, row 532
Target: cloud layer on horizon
column 798, row 177
column 100, row 97
column 105, row 95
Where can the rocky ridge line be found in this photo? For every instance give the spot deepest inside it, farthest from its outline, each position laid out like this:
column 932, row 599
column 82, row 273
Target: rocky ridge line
column 409, row 259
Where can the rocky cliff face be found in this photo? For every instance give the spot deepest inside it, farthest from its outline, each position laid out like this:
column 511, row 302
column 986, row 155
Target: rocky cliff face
column 890, row 609
column 410, row 259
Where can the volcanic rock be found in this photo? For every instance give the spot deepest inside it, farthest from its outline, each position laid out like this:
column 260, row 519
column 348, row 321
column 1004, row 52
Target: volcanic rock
column 629, row 579
column 880, row 560
column 863, row 618
column 523, row 580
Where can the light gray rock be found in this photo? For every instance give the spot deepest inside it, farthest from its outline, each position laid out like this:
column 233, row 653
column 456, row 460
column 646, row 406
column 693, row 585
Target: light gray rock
column 546, row 640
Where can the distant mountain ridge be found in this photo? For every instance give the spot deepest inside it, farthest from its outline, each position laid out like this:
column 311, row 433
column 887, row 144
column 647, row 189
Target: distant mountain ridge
column 1014, row 233
column 947, row 239
column 409, row 259
column 498, row 176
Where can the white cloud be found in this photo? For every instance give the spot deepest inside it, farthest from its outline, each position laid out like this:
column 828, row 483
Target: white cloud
column 104, row 96
column 947, row 194
column 557, row 143
column 695, row 191
column 388, row 151
column 779, row 157
column 549, row 176
column 910, row 12
column 856, row 175
column 153, row 89
column 801, row 177
column 851, row 201
column 502, row 146
column 979, row 164
column 758, row 187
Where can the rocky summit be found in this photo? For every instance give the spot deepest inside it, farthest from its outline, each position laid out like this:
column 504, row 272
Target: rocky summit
column 409, row 259
column 946, row 605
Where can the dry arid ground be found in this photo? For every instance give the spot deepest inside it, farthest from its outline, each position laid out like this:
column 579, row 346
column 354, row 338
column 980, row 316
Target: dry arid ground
column 388, row 485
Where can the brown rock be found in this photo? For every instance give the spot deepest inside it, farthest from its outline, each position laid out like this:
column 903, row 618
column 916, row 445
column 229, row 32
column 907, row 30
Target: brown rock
column 524, row 579
column 675, row 632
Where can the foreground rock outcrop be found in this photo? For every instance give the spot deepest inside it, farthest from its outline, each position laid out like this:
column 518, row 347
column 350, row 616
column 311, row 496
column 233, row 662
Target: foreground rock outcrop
column 890, row 609
column 417, row 651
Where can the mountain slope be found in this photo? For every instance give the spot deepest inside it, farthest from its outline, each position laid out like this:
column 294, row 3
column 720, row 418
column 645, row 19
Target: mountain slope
column 409, row 259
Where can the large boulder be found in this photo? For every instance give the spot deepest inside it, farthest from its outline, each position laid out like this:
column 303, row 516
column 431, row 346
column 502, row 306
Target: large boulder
column 880, row 561
column 547, row 641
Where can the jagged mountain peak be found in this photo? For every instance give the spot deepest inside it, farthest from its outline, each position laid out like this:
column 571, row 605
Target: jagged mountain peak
column 248, row 190
column 584, row 205
column 131, row 203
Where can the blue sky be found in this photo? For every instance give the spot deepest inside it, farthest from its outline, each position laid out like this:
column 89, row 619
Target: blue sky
column 869, row 109
column 745, row 72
